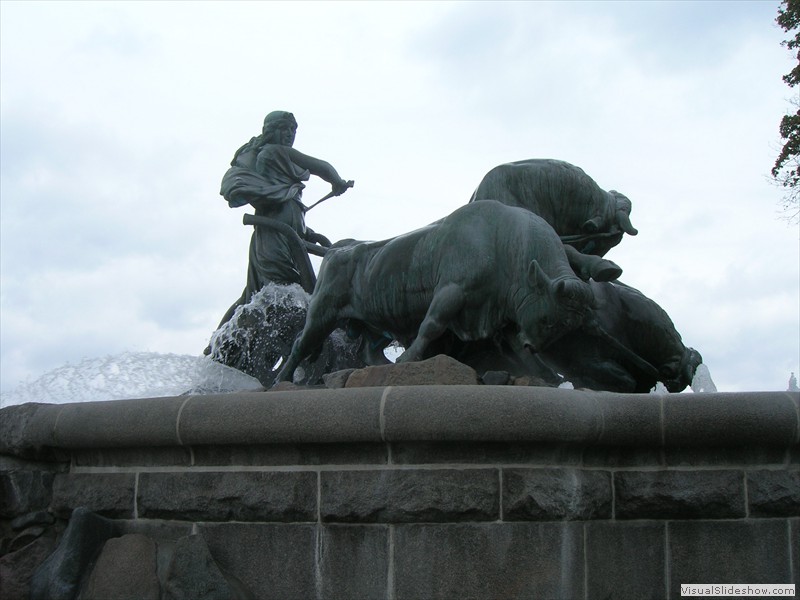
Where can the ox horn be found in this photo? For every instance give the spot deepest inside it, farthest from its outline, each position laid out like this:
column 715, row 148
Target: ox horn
column 624, row 221
column 624, row 212
column 537, row 278
column 591, row 225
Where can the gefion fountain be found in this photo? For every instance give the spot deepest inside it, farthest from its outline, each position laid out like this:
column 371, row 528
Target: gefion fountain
column 513, row 450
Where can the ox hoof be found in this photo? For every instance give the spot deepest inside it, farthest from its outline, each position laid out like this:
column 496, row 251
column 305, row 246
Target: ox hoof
column 406, row 357
column 605, row 270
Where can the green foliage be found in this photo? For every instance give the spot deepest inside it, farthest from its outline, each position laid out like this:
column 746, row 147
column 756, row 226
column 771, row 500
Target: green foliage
column 789, row 19
column 786, row 170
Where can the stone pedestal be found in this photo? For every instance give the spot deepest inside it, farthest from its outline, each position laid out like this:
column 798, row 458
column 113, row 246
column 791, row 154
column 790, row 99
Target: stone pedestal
column 424, row 491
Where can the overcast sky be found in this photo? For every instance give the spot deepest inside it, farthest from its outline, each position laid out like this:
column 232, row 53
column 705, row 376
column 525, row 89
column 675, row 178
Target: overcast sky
column 119, row 120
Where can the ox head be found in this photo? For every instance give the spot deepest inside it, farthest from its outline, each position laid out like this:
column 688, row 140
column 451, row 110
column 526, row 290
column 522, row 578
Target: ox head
column 622, row 212
column 678, row 374
column 552, row 308
column 603, row 232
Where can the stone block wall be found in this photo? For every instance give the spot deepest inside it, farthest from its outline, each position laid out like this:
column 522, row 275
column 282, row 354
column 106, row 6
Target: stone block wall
column 421, row 492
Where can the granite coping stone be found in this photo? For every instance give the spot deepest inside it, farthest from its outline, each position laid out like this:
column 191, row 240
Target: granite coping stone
column 468, row 413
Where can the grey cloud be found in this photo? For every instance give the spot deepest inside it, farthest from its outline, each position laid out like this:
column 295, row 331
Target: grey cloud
column 682, row 36
column 114, row 236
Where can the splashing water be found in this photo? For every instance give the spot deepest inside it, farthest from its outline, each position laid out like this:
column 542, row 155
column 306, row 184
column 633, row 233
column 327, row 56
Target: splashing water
column 702, row 382
column 660, row 389
column 259, row 335
column 131, row 375
column 273, row 311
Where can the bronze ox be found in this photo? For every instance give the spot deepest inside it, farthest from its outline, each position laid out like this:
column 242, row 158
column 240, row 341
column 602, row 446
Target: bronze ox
column 484, row 269
column 628, row 345
column 589, row 220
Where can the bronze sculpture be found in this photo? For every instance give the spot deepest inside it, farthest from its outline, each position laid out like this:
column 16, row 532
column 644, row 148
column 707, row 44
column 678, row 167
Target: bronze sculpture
column 485, row 270
column 629, row 345
column 516, row 280
column 589, row 220
column 268, row 173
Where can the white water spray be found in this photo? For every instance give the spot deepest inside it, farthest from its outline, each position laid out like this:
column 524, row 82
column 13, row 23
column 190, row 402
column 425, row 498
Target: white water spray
column 131, row 375
column 702, row 382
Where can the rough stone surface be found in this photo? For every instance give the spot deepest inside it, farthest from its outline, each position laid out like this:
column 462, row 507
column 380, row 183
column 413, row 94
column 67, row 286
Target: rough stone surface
column 439, row 370
column 497, row 413
column 275, row 561
column 629, row 419
column 26, row 430
column 755, row 551
column 621, row 456
column 758, row 417
column 286, row 386
column 626, row 560
column 223, row 496
column 161, row 531
column 107, row 494
column 465, row 412
column 679, row 494
column 354, row 561
column 291, row 454
column 59, row 576
column 556, row 494
column 39, row 517
column 310, row 416
column 97, row 424
column 132, row 457
column 24, row 538
column 485, row 452
column 495, row 378
column 22, row 492
column 410, row 483
column 125, row 570
column 17, row 568
column 403, row 496
column 337, row 379
column 774, row 493
column 531, row 381
column 194, row 575
column 716, row 456
column 510, row 560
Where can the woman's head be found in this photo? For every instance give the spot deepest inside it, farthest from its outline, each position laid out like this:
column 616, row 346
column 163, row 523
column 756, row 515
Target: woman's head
column 279, row 128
